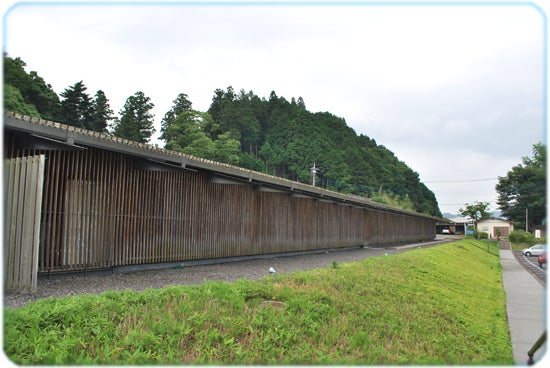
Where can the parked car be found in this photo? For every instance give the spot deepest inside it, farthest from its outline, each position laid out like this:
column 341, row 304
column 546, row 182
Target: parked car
column 542, row 260
column 535, row 250
column 445, row 231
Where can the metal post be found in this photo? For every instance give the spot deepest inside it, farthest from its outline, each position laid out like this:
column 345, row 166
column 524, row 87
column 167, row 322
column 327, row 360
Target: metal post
column 313, row 172
column 535, row 347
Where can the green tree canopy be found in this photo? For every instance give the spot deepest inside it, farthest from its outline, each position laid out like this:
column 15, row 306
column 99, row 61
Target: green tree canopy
column 136, row 121
column 476, row 211
column 181, row 104
column 13, row 101
column 523, row 190
column 101, row 114
column 187, row 134
column 76, row 106
column 32, row 88
column 228, row 149
column 187, row 131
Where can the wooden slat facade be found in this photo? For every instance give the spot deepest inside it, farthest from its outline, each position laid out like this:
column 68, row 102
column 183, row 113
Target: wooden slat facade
column 23, row 188
column 104, row 208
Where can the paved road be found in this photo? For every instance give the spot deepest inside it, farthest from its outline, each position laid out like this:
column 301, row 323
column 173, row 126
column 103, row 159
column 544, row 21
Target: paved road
column 532, row 266
column 525, row 286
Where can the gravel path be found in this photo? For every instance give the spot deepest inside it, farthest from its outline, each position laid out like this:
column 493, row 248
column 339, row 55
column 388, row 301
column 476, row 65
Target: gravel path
column 254, row 269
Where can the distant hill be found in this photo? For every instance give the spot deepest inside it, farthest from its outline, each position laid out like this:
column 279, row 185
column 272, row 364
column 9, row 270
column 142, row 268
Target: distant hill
column 283, row 138
column 456, row 215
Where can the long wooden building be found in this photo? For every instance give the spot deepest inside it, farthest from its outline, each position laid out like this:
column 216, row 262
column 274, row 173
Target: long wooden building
column 78, row 200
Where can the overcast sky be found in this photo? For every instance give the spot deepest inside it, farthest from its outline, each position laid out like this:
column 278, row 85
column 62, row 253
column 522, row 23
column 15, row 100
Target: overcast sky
column 455, row 90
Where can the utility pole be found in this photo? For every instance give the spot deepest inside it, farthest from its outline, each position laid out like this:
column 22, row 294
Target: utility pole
column 526, row 220
column 313, row 172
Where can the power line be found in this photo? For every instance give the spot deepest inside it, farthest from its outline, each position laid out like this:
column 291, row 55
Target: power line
column 458, row 181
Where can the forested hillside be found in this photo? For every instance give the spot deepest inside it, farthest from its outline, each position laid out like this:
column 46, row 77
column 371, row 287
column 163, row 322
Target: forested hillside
column 273, row 135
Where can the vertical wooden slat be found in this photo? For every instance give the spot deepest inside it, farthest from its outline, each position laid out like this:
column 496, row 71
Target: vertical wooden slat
column 142, row 202
column 175, row 232
column 144, row 216
column 156, row 203
column 144, row 197
column 191, row 217
column 27, row 224
column 95, row 228
column 11, row 215
column 126, row 227
column 18, row 221
column 166, row 213
column 119, row 177
column 40, row 161
column 69, row 213
column 77, row 212
column 102, row 254
column 56, row 237
column 112, row 191
column 46, row 215
column 181, row 210
column 89, row 217
column 8, row 202
column 108, row 190
column 133, row 235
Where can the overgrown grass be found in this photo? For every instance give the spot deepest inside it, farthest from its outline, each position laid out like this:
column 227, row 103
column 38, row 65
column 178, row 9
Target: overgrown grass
column 439, row 305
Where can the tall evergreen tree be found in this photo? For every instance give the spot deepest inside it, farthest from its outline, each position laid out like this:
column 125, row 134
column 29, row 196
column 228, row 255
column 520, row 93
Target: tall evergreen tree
column 301, row 103
column 136, row 121
column 76, row 106
column 101, row 113
column 216, row 105
column 181, row 104
column 237, row 115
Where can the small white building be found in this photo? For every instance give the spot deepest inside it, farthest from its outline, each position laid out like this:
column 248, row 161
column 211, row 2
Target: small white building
column 496, row 227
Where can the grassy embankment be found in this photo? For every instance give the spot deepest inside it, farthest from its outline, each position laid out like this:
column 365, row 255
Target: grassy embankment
column 440, row 305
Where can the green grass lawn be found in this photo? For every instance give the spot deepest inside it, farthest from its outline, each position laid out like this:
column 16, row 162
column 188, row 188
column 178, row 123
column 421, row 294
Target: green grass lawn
column 443, row 305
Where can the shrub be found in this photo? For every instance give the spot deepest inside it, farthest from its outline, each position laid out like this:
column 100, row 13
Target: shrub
column 482, row 235
column 521, row 236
